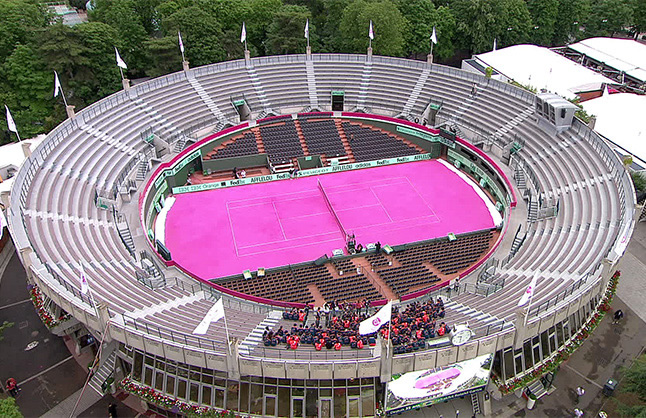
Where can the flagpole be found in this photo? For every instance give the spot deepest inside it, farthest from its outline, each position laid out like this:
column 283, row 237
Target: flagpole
column 529, row 305
column 389, row 330
column 121, row 71
column 61, row 88
column 89, row 289
column 226, row 327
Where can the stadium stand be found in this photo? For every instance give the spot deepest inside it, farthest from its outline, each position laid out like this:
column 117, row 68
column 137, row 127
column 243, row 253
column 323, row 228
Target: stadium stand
column 57, row 229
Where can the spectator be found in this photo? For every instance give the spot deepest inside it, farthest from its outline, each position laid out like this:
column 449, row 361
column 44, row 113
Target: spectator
column 618, row 315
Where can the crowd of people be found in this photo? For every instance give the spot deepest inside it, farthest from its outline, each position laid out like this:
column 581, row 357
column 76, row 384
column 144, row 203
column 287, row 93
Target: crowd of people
column 336, row 325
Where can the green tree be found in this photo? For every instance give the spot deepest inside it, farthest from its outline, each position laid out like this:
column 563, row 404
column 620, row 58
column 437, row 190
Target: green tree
column 422, row 16
column 571, row 15
column 634, row 382
column 9, row 409
column 30, row 89
column 18, row 19
column 326, row 15
column 544, row 18
column 122, row 15
column 201, row 33
column 164, row 56
column 388, row 24
column 639, row 16
column 608, row 17
column 285, row 34
column 97, row 75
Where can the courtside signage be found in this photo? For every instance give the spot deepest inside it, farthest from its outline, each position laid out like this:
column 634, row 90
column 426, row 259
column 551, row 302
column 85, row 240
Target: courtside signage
column 302, row 173
column 426, row 136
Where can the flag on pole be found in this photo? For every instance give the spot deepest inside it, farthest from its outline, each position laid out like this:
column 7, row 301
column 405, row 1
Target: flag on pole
column 213, row 315
column 181, row 44
column 434, row 36
column 371, row 33
column 307, row 29
column 57, row 84
column 494, row 44
column 243, row 35
column 85, row 286
column 528, row 293
column 10, row 123
column 373, row 323
column 120, row 62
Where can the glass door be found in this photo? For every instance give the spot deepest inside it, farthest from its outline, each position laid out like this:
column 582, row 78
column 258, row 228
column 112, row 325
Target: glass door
column 354, row 406
column 269, row 406
column 298, row 406
column 325, row 408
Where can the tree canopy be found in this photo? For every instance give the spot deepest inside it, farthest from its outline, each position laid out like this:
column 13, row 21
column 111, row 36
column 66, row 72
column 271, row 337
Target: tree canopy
column 32, row 46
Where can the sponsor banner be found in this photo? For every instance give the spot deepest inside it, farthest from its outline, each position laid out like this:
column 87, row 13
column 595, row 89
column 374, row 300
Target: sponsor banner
column 171, row 172
column 426, row 136
column 500, row 196
column 302, row 173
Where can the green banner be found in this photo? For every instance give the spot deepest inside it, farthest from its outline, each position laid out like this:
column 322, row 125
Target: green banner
column 426, row 136
column 171, row 172
column 302, row 173
column 485, row 180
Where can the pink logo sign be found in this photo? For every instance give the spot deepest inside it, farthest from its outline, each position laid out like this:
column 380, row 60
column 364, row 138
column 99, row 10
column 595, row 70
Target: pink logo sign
column 376, row 322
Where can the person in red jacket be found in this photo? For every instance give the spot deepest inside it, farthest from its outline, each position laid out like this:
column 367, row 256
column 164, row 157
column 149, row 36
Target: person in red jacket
column 318, row 346
column 359, row 344
column 337, row 346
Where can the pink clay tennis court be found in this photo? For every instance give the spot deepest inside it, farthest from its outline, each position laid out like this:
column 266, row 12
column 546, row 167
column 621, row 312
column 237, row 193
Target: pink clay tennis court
column 222, row 232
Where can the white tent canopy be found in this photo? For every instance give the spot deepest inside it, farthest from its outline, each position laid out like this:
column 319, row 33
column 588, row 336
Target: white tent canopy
column 541, row 68
column 620, row 118
column 625, row 55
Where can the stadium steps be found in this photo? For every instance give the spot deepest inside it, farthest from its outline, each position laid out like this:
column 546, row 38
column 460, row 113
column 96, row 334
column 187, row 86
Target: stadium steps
column 475, row 404
column 469, row 313
column 537, row 388
column 171, row 303
column 376, row 280
column 412, row 98
column 509, row 126
column 365, row 83
column 260, row 91
column 113, row 142
column 160, row 124
column 301, row 137
column 142, row 170
column 311, row 84
column 103, row 373
column 255, row 336
column 319, row 300
column 259, row 143
column 344, row 140
column 205, row 97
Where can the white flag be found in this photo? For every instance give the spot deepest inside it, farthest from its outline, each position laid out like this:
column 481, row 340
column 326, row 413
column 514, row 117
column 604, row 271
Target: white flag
column 85, row 286
column 57, row 84
column 243, row 35
column 120, row 62
column 10, row 123
column 373, row 323
column 528, row 293
column 494, row 44
column 307, row 29
column 371, row 33
column 181, row 44
column 3, row 222
column 433, row 36
column 213, row 315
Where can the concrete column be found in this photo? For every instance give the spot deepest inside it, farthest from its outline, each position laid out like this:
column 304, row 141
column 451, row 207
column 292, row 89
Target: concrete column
column 104, row 317
column 369, row 53
column 185, row 66
column 386, row 358
column 4, row 199
column 247, row 56
column 126, row 84
column 25, row 257
column 233, row 366
column 26, row 149
column 519, row 324
column 70, row 111
column 309, row 52
column 429, row 59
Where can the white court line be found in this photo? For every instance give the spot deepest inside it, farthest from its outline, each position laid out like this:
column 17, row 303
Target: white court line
column 299, row 245
column 422, row 197
column 363, row 185
column 235, row 245
column 278, row 219
column 381, row 204
column 312, row 191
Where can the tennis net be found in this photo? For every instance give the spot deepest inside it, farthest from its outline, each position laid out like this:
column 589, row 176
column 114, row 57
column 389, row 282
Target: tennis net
column 331, row 209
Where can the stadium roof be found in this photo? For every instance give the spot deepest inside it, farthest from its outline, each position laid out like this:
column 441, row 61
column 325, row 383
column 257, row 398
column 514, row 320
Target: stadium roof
column 541, row 68
column 13, row 155
column 620, row 118
column 625, row 55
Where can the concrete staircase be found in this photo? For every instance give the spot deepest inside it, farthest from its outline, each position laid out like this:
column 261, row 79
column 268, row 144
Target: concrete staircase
column 365, row 83
column 412, row 98
column 527, row 112
column 260, row 91
column 103, row 373
column 254, row 338
column 259, row 143
column 344, row 140
column 301, row 138
column 311, row 85
column 205, row 97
